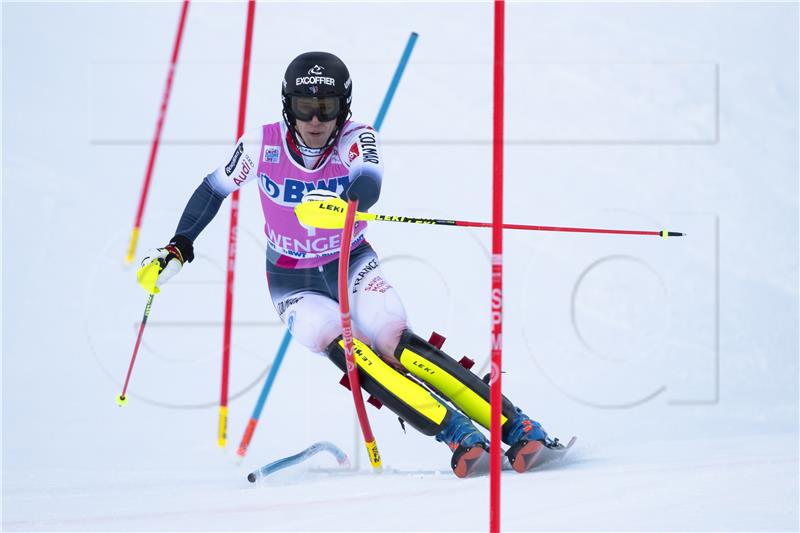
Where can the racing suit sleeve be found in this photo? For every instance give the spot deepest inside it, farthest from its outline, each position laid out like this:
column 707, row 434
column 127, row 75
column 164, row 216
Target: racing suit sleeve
column 360, row 151
column 207, row 198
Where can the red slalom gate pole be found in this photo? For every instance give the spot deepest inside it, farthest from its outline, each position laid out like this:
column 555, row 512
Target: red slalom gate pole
column 157, row 137
column 222, row 431
column 347, row 337
column 496, row 394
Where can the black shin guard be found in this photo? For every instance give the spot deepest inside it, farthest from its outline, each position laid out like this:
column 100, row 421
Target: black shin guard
column 448, row 377
column 407, row 399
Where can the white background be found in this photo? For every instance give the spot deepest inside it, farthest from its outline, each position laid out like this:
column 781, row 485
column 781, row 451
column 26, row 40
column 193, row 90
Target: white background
column 675, row 362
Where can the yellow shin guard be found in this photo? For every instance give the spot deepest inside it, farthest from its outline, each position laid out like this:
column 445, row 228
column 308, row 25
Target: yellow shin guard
column 406, row 398
column 453, row 381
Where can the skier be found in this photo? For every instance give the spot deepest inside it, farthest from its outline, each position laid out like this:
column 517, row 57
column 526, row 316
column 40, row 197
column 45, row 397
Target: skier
column 315, row 153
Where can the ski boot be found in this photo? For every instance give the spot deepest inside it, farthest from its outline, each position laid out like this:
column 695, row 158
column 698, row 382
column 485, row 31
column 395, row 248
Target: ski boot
column 526, row 439
column 470, row 447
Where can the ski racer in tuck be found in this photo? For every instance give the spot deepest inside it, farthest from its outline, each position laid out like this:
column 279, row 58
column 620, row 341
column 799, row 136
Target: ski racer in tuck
column 314, row 153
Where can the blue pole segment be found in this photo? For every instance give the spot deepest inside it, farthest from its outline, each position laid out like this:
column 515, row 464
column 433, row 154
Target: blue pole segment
column 401, row 67
column 287, row 338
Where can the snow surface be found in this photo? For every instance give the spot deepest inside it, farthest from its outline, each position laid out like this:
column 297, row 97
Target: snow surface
column 675, row 362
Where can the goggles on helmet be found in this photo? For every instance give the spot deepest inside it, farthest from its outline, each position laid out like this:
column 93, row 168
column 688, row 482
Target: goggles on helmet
column 326, row 108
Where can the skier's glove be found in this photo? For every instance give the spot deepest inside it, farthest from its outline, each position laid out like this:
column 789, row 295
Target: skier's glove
column 159, row 265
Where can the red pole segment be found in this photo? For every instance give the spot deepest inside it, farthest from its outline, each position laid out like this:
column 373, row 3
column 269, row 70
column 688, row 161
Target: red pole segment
column 347, row 335
column 226, row 336
column 157, row 137
column 122, row 399
column 561, row 228
column 495, row 462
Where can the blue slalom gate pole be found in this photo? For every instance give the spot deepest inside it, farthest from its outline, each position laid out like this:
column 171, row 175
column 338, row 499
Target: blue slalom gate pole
column 262, row 399
column 398, row 73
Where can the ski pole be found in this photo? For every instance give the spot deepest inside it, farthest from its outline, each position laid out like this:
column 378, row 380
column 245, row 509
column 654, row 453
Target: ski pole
column 122, row 399
column 262, row 399
column 329, row 214
column 347, row 335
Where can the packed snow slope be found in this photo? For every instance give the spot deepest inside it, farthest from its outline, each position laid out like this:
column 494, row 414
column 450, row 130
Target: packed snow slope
column 675, row 362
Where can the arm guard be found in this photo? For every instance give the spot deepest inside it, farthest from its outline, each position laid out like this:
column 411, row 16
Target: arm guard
column 361, row 153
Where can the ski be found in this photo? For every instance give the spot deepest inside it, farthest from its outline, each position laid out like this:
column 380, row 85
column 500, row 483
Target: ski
column 280, row 464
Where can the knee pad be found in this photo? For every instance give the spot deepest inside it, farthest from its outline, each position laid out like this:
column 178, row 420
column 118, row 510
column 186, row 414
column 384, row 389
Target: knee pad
column 406, row 398
column 457, row 384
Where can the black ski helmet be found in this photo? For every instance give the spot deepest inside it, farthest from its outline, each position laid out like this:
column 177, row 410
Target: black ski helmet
column 317, row 75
